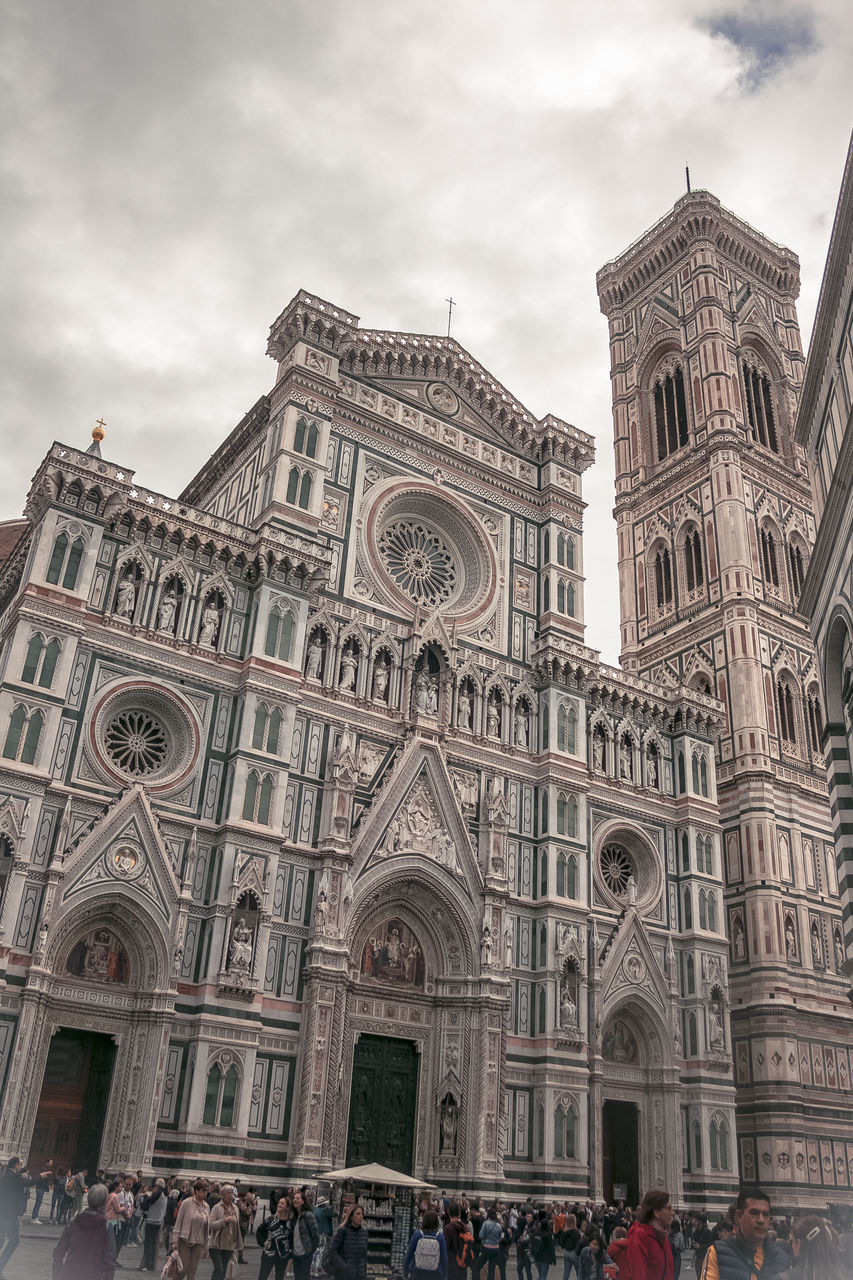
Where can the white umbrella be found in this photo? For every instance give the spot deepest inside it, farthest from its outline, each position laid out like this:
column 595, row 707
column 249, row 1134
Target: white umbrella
column 374, row 1173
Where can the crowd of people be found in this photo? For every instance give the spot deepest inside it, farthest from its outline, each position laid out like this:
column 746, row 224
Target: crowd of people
column 176, row 1224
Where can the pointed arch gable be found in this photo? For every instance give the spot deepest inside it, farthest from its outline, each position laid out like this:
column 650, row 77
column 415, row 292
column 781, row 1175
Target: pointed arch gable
column 147, row 943
column 443, row 920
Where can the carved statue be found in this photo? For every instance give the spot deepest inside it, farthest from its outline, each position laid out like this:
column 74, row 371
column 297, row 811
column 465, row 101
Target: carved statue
column 449, row 1124
column 349, row 666
column 463, row 710
column 493, row 719
column 652, row 769
column 486, row 947
column 426, row 693
column 166, row 613
column 209, row 623
column 321, row 910
column 738, row 939
column 177, row 960
column 625, row 762
column 598, row 752
column 126, row 598
column 716, row 1036
column 380, row 681
column 241, row 945
column 521, row 726
column 631, row 889
column 839, row 951
column 817, row 957
column 790, row 939
column 568, row 1009
column 314, row 658
column 508, row 948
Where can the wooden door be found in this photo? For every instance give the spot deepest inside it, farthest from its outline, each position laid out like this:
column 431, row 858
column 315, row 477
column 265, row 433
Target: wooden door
column 383, row 1103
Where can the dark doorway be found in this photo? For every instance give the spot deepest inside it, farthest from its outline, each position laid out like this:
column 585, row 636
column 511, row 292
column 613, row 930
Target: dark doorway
column 621, row 1152
column 72, row 1108
column 383, row 1102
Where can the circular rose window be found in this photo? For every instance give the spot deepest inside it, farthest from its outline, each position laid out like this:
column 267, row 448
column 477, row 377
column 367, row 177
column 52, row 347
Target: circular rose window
column 628, row 870
column 424, row 548
column 616, row 868
column 141, row 733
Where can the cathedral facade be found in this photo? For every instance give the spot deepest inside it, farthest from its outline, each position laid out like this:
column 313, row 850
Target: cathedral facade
column 325, row 836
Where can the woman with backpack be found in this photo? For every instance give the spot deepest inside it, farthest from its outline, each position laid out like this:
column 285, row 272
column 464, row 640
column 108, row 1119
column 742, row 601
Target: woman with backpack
column 459, row 1241
column 426, row 1256
column 542, row 1246
column 275, row 1239
column 306, row 1237
column 346, row 1254
column 490, row 1242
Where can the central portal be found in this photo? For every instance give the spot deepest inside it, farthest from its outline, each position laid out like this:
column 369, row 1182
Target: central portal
column 621, row 1165
column 383, row 1103
column 73, row 1103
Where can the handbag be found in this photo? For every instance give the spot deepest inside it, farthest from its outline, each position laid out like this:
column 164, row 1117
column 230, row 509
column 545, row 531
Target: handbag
column 173, row 1267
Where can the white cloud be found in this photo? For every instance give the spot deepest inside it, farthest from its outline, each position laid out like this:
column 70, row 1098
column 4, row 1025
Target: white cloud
column 175, row 173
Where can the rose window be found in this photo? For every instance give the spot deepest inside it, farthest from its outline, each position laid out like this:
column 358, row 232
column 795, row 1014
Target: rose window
column 419, row 561
column 616, row 868
column 136, row 742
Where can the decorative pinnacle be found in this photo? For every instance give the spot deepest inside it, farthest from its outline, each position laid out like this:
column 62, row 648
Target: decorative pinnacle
column 98, row 431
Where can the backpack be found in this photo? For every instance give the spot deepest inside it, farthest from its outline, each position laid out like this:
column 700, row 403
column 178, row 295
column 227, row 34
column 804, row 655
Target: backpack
column 427, row 1254
column 464, row 1247
column 69, row 1185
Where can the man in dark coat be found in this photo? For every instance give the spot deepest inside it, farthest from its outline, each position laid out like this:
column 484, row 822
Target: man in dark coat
column 14, row 1185
column 85, row 1250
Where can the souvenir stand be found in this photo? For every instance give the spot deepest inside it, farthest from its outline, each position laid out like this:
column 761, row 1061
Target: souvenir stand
column 388, row 1201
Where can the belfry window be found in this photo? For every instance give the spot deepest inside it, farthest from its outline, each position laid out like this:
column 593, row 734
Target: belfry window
column 769, row 561
column 40, row 663
column 663, row 578
column 23, row 734
column 787, row 724
column 305, row 438
column 65, row 562
column 670, row 414
column 795, row 564
column 759, row 407
column 814, row 719
column 693, row 560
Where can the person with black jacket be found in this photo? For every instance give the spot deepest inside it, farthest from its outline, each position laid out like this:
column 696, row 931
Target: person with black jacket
column 275, row 1238
column 523, row 1247
column 153, row 1214
column 347, row 1251
column 14, row 1187
column 570, row 1243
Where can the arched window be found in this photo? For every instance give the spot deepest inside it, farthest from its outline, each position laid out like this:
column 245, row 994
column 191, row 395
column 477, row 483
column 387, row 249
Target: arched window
column 769, row 559
column 700, row 853
column 546, row 595
column 785, row 710
column 703, row 909
column 561, row 596
column 264, row 801
column 561, row 549
column 40, row 662
column 567, row 814
column 67, row 558
column 712, row 911
column 305, row 491
column 279, row 638
column 292, row 485
column 692, row 1037
column 250, row 799
column 696, row 772
column 697, row 1145
column 572, row 877
column 567, row 724
column 709, row 856
column 258, row 798
column 692, row 550
column 540, row 1131
column 543, row 876
column 687, row 910
column 759, row 407
column 220, row 1096
column 561, row 875
column 796, row 567
column 703, row 775
column 565, row 551
column 718, row 1143
column 23, row 734
column 685, row 852
column 690, row 976
column 259, row 730
column 33, row 658
column 670, row 413
column 663, row 578
column 274, row 732
column 305, row 438
column 814, row 718
column 565, row 1130
column 682, row 783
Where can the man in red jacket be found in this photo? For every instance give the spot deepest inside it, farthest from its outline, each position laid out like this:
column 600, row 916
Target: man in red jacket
column 649, row 1254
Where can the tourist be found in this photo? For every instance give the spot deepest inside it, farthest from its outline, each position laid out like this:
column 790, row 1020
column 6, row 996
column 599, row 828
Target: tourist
column 748, row 1252
column 426, row 1256
column 542, row 1246
column 523, row 1242
column 190, row 1232
column 569, row 1241
column 306, row 1237
column 491, row 1233
column 225, row 1235
column 126, row 1204
column 676, row 1244
column 152, row 1212
column 703, row 1238
column 818, row 1251
column 459, row 1241
column 112, row 1212
column 58, row 1208
column 14, row 1185
column 43, row 1184
column 618, row 1248
column 593, row 1258
column 347, row 1251
column 77, row 1184
column 275, row 1239
column 649, row 1253
column 85, row 1249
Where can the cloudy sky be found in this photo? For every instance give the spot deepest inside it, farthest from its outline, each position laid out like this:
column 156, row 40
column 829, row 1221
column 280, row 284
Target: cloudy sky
column 173, row 173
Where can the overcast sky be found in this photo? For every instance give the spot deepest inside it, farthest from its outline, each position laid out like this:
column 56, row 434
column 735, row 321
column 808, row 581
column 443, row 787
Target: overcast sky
column 174, row 172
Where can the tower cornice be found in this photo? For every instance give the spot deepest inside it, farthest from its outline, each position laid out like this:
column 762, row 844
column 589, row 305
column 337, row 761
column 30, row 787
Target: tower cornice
column 697, row 217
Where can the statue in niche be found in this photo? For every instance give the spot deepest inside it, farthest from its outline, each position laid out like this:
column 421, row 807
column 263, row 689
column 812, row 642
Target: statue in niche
column 314, row 658
column 321, row 909
column 449, row 1125
column 508, row 948
column 209, row 623
column 486, row 947
column 839, row 951
column 817, row 958
column 380, row 681
column 568, row 1010
column 521, row 726
column 625, row 762
column 653, row 770
column 426, row 693
column 463, row 709
column 126, row 598
column 598, row 751
column 241, row 945
column 349, row 666
column 493, row 718
column 167, row 611
column 716, row 1035
column 738, row 939
column 790, row 939
column 631, row 890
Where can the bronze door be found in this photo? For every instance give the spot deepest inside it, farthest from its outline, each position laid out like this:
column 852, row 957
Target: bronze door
column 383, row 1103
column 73, row 1102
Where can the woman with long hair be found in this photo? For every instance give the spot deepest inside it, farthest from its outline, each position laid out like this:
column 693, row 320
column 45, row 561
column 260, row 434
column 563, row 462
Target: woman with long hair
column 275, row 1238
column 306, row 1237
column 649, row 1251
column 346, row 1254
column 818, row 1251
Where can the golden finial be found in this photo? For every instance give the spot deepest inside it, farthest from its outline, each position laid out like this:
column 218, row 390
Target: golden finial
column 98, row 432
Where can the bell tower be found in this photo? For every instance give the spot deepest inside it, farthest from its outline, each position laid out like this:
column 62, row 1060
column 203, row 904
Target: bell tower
column 715, row 528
